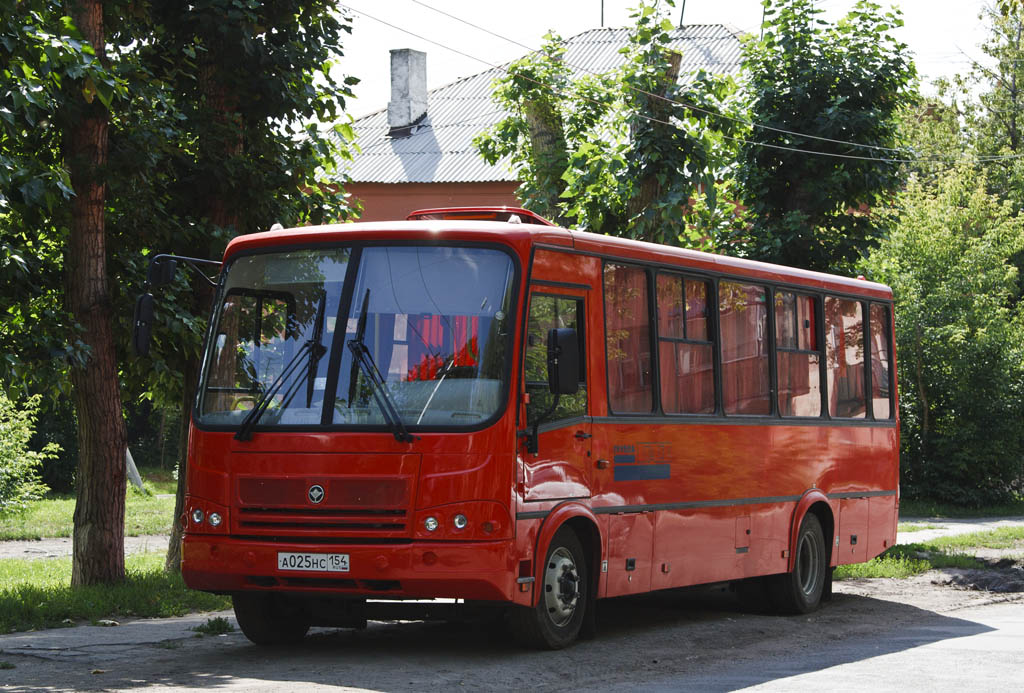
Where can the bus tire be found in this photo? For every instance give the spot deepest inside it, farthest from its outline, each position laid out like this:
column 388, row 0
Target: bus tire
column 269, row 619
column 556, row 620
column 800, row 591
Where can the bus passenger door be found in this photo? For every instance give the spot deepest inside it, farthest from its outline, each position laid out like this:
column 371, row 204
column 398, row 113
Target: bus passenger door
column 559, row 469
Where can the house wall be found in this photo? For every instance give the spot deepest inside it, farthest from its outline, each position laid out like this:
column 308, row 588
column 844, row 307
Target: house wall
column 391, row 201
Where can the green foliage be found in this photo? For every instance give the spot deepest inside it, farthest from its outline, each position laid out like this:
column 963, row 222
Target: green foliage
column 911, row 507
column 844, row 82
column 619, row 153
column 218, row 625
column 960, row 339
column 19, row 465
column 37, row 594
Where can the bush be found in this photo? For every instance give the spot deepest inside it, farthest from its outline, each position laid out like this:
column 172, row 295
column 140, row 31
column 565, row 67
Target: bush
column 19, row 466
column 57, row 423
column 959, row 339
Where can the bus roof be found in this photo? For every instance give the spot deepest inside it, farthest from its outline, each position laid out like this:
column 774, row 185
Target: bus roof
column 526, row 235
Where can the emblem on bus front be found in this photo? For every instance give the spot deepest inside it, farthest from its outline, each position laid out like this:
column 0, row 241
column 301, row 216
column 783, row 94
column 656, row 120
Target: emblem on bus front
column 316, row 493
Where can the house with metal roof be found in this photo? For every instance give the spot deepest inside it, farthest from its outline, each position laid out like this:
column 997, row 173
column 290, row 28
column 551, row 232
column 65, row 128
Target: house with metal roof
column 418, row 152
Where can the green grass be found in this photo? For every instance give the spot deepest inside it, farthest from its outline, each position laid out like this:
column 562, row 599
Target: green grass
column 53, row 517
column 148, row 513
column 927, row 508
column 905, row 527
column 37, row 594
column 907, row 560
column 1000, row 538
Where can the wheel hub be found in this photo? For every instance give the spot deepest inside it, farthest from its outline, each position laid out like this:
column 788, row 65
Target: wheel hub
column 561, row 587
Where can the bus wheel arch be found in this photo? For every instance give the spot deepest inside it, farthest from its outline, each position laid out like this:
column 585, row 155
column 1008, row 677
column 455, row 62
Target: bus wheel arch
column 568, row 554
column 808, row 581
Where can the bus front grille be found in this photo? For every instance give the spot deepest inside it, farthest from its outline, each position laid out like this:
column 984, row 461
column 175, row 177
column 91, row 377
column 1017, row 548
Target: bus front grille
column 326, row 519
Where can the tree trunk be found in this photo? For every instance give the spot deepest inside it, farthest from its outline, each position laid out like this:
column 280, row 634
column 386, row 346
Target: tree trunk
column 191, row 374
column 98, row 542
column 659, row 110
column 222, row 107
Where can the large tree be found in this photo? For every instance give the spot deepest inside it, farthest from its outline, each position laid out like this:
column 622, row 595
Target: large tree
column 188, row 124
column 53, row 145
column 959, row 337
column 252, row 92
column 620, row 153
column 818, row 93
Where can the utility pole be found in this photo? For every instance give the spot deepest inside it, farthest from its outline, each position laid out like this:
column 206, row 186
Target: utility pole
column 682, row 12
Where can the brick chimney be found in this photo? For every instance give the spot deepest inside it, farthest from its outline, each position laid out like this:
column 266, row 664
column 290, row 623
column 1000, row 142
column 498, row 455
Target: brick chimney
column 408, row 90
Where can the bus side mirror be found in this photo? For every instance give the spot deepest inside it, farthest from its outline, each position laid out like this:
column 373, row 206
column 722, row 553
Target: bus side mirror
column 563, row 361
column 161, row 272
column 142, row 325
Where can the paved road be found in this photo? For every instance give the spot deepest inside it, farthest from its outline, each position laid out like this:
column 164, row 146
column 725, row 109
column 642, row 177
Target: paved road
column 876, row 634
column 879, row 635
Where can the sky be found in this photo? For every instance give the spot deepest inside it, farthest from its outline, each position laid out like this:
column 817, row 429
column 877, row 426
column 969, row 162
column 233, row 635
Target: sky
column 943, row 35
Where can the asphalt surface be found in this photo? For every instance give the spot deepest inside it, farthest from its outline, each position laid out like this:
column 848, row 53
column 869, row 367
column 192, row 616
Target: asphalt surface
column 880, row 635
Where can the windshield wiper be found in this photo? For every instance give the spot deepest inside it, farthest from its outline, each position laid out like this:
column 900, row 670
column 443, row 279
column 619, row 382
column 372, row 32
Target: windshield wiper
column 311, row 348
column 362, row 359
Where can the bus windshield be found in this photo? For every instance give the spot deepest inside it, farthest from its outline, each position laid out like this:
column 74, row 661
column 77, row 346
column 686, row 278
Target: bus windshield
column 425, row 336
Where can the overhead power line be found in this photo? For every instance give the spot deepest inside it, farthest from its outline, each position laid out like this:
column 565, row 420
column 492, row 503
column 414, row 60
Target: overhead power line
column 812, row 152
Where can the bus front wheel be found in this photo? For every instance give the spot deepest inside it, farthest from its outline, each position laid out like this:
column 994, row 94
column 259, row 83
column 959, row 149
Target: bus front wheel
column 269, row 619
column 556, row 620
column 800, row 591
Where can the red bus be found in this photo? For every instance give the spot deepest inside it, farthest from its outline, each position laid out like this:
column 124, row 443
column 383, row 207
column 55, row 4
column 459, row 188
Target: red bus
column 476, row 405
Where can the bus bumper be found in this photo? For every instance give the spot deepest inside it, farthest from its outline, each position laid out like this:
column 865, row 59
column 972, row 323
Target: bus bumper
column 419, row 570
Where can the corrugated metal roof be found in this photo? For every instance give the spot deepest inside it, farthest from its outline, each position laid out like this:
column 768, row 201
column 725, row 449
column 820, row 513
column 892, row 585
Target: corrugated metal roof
column 440, row 147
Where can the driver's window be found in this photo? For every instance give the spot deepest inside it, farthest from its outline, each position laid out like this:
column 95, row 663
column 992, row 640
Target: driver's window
column 546, row 313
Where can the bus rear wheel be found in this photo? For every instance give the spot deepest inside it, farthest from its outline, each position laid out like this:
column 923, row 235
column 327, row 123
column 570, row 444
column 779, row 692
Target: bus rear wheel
column 556, row 620
column 270, row 619
column 800, row 591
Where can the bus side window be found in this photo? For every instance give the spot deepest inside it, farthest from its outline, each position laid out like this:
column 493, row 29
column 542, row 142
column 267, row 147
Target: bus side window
column 880, row 374
column 798, row 355
column 685, row 349
column 627, row 340
column 546, row 313
column 844, row 352
column 743, row 321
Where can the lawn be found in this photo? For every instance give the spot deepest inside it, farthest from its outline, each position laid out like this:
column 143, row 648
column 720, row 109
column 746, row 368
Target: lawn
column 905, row 560
column 53, row 516
column 38, row 594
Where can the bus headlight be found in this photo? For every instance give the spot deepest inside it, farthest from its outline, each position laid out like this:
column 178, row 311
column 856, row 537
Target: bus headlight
column 431, row 523
column 460, row 521
column 214, row 519
column 197, row 516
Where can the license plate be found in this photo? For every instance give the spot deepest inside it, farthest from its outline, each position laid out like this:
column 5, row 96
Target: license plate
column 317, row 562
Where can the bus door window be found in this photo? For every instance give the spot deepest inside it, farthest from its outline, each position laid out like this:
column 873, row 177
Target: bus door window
column 546, row 313
column 880, row 373
column 685, row 350
column 798, row 354
column 628, row 340
column 743, row 321
column 559, row 468
column 844, row 352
